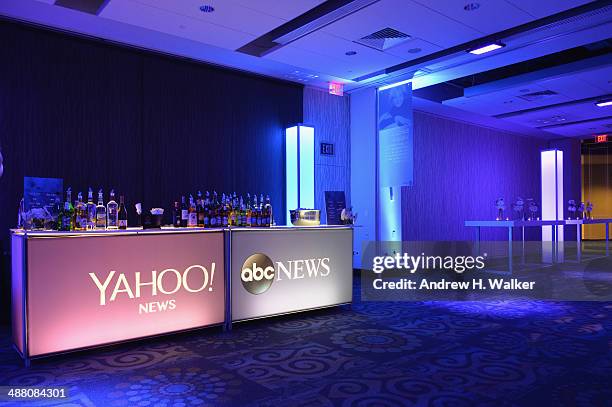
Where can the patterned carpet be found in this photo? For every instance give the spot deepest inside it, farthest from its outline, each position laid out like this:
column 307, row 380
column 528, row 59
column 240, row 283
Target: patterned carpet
column 527, row 353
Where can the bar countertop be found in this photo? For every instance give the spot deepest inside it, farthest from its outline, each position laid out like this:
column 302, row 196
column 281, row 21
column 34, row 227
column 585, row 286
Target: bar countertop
column 163, row 230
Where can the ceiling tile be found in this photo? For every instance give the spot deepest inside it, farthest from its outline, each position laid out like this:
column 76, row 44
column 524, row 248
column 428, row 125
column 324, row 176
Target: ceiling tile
column 287, row 10
column 545, row 8
column 334, row 60
column 405, row 16
column 486, row 18
column 226, row 15
column 160, row 19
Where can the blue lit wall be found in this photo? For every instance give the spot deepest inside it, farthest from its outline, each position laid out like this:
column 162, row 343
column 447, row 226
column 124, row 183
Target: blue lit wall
column 459, row 171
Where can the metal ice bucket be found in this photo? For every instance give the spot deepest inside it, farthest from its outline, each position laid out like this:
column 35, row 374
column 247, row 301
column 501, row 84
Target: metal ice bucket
column 305, row 217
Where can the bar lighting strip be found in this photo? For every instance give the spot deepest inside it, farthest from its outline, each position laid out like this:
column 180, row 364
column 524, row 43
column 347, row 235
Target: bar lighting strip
column 299, row 170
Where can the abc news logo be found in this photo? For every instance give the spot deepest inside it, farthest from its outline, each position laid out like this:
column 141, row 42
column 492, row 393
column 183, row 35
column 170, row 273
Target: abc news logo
column 259, row 271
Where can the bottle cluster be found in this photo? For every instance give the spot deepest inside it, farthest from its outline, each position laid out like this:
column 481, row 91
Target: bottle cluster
column 90, row 216
column 230, row 210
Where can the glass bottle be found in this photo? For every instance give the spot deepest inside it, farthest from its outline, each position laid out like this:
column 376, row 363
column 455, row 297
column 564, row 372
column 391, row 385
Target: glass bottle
column 248, row 211
column 268, row 212
column 184, row 212
column 255, row 212
column 206, row 210
column 176, row 215
column 67, row 214
column 200, row 210
column 111, row 212
column 122, row 214
column 80, row 213
column 224, row 211
column 192, row 219
column 90, row 207
column 100, row 212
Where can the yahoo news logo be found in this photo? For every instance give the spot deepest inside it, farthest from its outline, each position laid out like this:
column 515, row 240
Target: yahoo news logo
column 259, row 271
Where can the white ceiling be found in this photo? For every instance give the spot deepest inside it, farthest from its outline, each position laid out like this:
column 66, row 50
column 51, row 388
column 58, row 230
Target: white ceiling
column 590, row 83
column 179, row 27
column 314, row 58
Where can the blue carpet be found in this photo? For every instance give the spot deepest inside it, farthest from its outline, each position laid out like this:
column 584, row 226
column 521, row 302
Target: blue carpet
column 504, row 353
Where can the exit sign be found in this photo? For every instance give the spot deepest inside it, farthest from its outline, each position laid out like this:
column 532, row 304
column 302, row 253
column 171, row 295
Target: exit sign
column 336, row 89
column 327, row 149
column 602, row 138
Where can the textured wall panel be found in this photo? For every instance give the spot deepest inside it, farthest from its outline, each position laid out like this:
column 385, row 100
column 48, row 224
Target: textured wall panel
column 460, row 170
column 330, row 115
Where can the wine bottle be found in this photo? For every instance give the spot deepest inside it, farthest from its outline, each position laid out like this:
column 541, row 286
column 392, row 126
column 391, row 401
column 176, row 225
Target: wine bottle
column 184, row 212
column 269, row 220
column 176, row 215
column 122, row 214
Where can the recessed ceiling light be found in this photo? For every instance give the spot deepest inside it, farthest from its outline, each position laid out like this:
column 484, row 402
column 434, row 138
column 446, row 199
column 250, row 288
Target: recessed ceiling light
column 414, row 50
column 471, row 6
column 207, row 8
column 487, row 48
column 605, row 102
column 350, row 53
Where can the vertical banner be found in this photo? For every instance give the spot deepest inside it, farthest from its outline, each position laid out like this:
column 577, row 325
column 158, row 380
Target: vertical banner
column 395, row 156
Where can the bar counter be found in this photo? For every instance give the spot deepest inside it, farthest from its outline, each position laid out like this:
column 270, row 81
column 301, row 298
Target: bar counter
column 77, row 290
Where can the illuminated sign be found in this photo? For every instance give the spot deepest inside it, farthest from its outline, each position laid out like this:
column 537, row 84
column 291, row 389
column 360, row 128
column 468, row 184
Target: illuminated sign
column 258, row 271
column 602, row 138
column 336, row 89
column 95, row 290
column 279, row 271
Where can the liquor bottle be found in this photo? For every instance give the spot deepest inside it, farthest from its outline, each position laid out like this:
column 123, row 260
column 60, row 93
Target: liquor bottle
column 80, row 213
column 269, row 219
column 261, row 210
column 248, row 211
column 200, row 210
column 213, row 211
column 176, row 215
column 224, row 211
column 192, row 215
column 206, row 210
column 184, row 212
column 122, row 214
column 111, row 212
column 66, row 219
column 255, row 220
column 242, row 213
column 100, row 212
column 91, row 211
column 232, row 217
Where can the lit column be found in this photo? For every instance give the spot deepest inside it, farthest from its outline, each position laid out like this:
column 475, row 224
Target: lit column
column 552, row 193
column 299, row 171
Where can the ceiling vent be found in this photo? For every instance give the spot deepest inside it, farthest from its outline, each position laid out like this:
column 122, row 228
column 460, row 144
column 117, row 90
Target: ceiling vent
column 532, row 97
column 384, row 39
column 86, row 6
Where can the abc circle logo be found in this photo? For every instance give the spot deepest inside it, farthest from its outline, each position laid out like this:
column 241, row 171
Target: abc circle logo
column 257, row 273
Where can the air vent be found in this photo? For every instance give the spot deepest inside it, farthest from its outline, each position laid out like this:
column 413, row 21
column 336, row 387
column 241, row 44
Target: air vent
column 531, row 97
column 86, row 6
column 384, row 39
